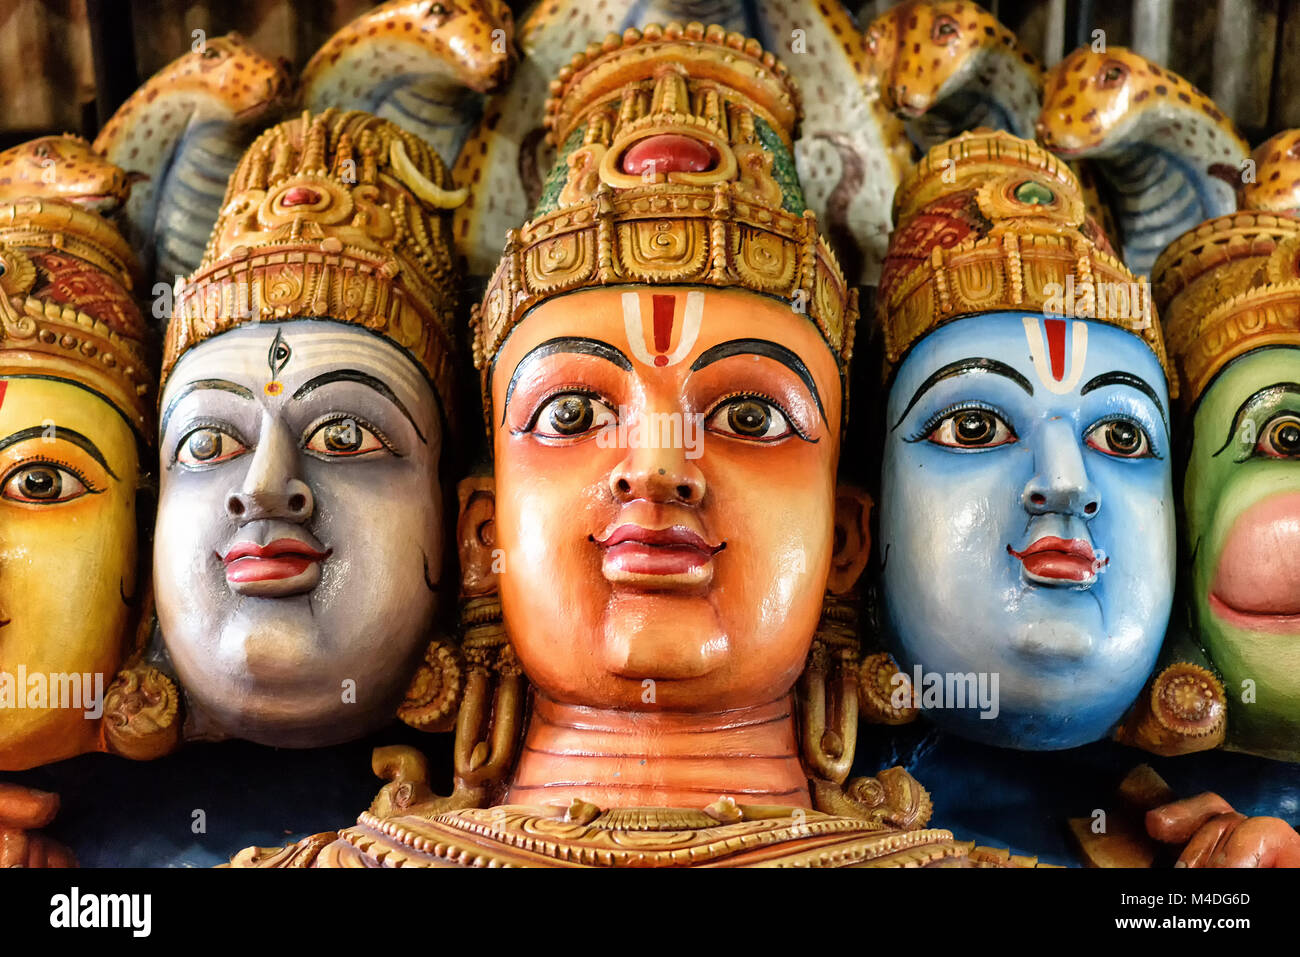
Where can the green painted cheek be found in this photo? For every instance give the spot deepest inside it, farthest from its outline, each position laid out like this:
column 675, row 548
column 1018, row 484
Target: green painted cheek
column 1217, row 490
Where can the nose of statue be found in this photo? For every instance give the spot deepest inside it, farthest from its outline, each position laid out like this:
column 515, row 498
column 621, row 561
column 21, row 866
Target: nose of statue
column 271, row 488
column 1060, row 483
column 294, row 504
column 657, row 475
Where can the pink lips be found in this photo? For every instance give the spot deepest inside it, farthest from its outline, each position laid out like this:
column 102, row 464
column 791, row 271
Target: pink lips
column 282, row 558
column 1066, row 560
column 656, row 551
column 1257, row 580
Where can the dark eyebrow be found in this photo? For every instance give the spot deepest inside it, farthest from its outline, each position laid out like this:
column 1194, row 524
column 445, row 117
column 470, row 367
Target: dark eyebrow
column 67, row 435
column 1276, row 390
column 1127, row 378
column 961, row 367
column 767, row 349
column 223, row 385
column 361, row 378
column 578, row 344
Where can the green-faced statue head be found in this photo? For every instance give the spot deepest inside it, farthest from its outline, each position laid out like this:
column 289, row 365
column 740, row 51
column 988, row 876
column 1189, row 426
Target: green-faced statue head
column 1230, row 295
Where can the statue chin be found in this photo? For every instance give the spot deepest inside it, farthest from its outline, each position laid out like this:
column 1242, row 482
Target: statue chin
column 282, row 674
column 646, row 637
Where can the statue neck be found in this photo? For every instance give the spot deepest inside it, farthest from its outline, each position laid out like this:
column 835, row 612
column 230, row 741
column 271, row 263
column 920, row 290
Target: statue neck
column 660, row 759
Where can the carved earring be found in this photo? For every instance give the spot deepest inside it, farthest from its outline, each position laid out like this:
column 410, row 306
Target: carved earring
column 491, row 714
column 476, row 685
column 141, row 718
column 833, row 683
column 828, row 692
column 884, row 692
column 435, row 688
column 438, row 685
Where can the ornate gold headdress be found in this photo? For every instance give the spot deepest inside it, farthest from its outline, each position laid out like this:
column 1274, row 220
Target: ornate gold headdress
column 336, row 216
column 1226, row 287
column 675, row 167
column 988, row 222
column 66, row 308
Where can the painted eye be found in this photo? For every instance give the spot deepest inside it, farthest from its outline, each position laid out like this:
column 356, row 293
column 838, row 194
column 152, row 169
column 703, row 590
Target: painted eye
column 207, row 446
column 437, row 10
column 972, row 429
column 42, row 483
column 1121, row 438
column 944, row 30
column 343, row 437
column 1280, row 437
column 749, row 417
column 211, row 53
column 572, row 413
column 1112, row 75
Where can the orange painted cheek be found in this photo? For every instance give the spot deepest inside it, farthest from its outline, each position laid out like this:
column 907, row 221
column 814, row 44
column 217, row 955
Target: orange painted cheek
column 553, row 594
column 752, row 468
column 549, row 500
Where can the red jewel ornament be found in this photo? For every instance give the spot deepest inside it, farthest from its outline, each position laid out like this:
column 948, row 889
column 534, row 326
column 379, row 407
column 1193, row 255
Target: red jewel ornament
column 299, row 196
column 668, row 153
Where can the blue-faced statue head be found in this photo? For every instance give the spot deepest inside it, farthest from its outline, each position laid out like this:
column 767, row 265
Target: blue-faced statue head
column 1027, row 526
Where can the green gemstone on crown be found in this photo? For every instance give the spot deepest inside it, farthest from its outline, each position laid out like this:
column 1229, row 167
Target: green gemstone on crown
column 1034, row 194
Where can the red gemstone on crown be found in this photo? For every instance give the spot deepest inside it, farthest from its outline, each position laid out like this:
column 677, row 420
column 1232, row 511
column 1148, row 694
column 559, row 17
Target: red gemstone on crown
column 299, row 196
column 668, row 153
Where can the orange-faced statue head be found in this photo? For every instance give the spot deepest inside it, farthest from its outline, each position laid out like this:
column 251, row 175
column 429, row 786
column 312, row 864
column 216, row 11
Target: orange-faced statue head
column 663, row 352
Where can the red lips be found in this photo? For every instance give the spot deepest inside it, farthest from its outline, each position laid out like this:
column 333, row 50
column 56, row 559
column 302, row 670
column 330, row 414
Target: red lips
column 282, row 558
column 1067, row 560
column 657, row 551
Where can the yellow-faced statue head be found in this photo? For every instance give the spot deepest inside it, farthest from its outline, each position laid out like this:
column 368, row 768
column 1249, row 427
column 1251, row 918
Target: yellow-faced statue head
column 74, row 411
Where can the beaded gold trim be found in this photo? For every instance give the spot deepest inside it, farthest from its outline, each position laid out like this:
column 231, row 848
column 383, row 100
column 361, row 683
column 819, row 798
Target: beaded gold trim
column 667, row 233
column 1226, row 287
column 331, row 216
column 1029, row 244
column 46, row 337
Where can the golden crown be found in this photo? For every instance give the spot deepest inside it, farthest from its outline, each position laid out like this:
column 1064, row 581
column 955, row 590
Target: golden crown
column 988, row 222
column 1226, row 287
column 337, row 216
column 66, row 308
column 675, row 167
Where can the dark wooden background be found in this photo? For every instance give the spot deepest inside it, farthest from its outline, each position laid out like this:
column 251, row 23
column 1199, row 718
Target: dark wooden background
column 65, row 65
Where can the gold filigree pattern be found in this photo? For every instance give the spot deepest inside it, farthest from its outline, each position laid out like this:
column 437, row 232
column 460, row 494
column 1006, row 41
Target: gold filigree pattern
column 640, row 78
column 1026, row 240
column 435, row 690
column 736, row 220
column 66, row 306
column 725, row 834
column 1227, row 287
column 701, row 235
column 880, row 684
column 510, row 836
column 1184, row 710
column 339, row 216
column 654, row 249
column 140, row 714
